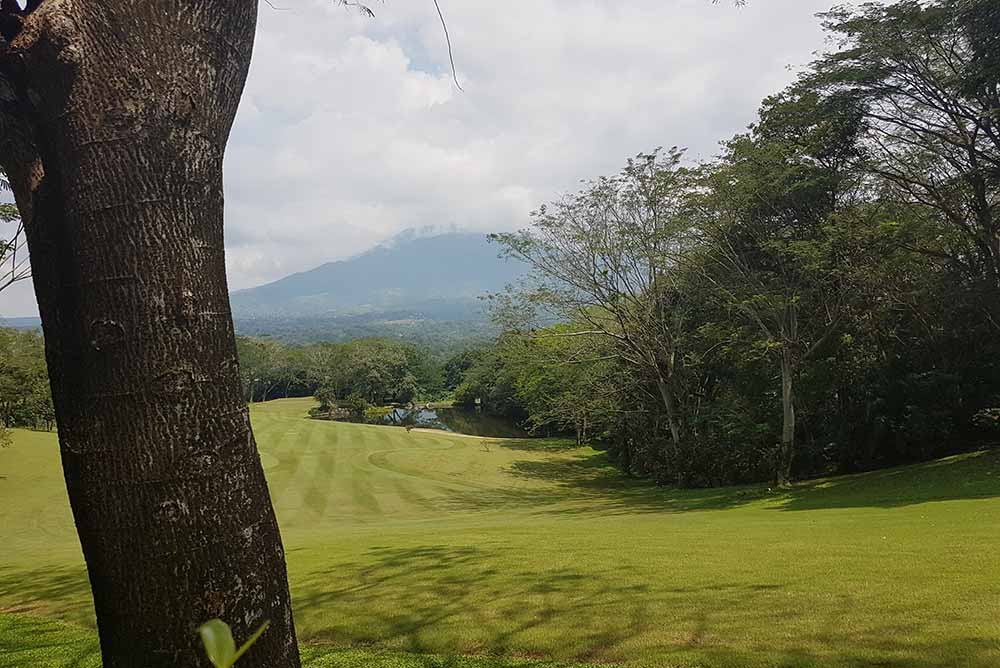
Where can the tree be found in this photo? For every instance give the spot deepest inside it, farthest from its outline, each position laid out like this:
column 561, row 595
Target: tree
column 264, row 367
column 458, row 364
column 603, row 259
column 490, row 383
column 113, row 124
column 25, row 399
column 564, row 383
column 762, row 220
column 926, row 77
column 327, row 399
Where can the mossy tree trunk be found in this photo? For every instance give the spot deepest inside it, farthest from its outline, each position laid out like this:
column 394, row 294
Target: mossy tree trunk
column 114, row 118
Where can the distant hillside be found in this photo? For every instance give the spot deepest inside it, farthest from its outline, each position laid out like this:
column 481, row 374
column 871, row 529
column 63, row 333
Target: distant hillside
column 434, row 278
column 26, row 322
column 424, row 289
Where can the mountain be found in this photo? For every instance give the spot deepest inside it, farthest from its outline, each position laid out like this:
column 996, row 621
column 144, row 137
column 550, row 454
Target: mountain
column 26, row 322
column 421, row 288
column 410, row 280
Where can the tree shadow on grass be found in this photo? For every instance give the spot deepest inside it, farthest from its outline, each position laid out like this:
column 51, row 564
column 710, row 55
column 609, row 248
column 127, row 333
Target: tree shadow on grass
column 539, row 444
column 884, row 646
column 490, row 601
column 65, row 589
column 581, row 483
column 962, row 477
column 324, row 657
column 486, row 600
column 568, row 483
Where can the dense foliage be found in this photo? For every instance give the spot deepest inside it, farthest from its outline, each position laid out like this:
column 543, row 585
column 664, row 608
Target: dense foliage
column 25, row 398
column 825, row 296
column 354, row 375
column 418, row 328
column 372, row 371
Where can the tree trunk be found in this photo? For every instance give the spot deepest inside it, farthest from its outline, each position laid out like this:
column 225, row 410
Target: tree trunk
column 670, row 404
column 787, row 449
column 114, row 122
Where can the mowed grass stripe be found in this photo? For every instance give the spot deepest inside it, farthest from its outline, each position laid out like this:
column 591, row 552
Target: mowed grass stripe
column 316, row 479
column 427, row 545
column 300, row 446
column 280, row 440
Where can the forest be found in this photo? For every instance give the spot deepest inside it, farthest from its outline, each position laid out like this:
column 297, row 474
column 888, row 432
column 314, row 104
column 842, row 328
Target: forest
column 821, row 297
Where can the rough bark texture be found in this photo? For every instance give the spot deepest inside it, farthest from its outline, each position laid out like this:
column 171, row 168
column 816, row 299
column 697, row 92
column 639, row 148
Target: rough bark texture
column 114, row 120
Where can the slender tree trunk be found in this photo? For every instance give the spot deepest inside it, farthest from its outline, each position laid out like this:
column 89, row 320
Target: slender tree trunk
column 994, row 244
column 670, row 404
column 114, row 122
column 787, row 449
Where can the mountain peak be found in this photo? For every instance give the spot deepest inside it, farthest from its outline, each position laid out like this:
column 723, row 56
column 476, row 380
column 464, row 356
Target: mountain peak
column 416, row 270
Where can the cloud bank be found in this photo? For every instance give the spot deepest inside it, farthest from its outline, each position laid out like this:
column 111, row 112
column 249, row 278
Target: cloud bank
column 351, row 129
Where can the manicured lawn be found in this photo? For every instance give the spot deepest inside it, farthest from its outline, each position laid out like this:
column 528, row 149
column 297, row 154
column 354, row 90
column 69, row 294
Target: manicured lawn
column 404, row 548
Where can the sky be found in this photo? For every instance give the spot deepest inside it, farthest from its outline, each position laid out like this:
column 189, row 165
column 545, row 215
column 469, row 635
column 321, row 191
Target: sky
column 351, row 129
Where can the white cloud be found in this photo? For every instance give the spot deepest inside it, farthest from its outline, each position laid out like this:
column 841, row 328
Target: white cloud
column 351, row 129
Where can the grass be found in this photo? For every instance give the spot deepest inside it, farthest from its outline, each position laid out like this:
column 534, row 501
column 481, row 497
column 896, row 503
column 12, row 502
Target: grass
column 430, row 550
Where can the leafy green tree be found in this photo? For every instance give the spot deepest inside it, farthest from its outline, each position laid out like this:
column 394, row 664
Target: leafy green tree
column 762, row 220
column 604, row 260
column 925, row 77
column 356, row 405
column 263, row 367
column 25, row 397
column 326, row 397
column 458, row 364
column 491, row 383
column 564, row 384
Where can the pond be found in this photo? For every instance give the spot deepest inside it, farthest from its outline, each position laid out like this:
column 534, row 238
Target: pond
column 455, row 420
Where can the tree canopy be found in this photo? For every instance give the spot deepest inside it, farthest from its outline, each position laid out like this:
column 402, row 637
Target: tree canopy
column 822, row 297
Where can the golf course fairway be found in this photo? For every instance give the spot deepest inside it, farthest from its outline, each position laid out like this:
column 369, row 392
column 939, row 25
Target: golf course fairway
column 416, row 549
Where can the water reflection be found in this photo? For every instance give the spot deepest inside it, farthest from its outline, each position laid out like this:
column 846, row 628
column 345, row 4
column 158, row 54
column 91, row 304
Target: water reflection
column 455, row 420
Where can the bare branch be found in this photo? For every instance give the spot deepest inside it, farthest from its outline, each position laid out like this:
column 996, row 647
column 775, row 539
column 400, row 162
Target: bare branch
column 447, row 39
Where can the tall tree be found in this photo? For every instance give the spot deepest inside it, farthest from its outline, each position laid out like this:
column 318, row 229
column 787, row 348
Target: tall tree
column 926, row 77
column 603, row 259
column 114, row 118
column 761, row 220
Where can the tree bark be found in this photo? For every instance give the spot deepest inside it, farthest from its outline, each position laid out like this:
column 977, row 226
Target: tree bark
column 670, row 404
column 114, row 120
column 787, row 449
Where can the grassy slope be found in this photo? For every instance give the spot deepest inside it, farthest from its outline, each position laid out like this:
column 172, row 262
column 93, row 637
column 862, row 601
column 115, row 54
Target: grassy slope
column 430, row 544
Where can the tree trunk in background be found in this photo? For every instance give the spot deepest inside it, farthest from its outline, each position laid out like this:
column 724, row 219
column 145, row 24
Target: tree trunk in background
column 670, row 404
column 787, row 449
column 114, row 122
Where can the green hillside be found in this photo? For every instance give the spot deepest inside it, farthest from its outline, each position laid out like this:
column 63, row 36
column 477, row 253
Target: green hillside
column 406, row 545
